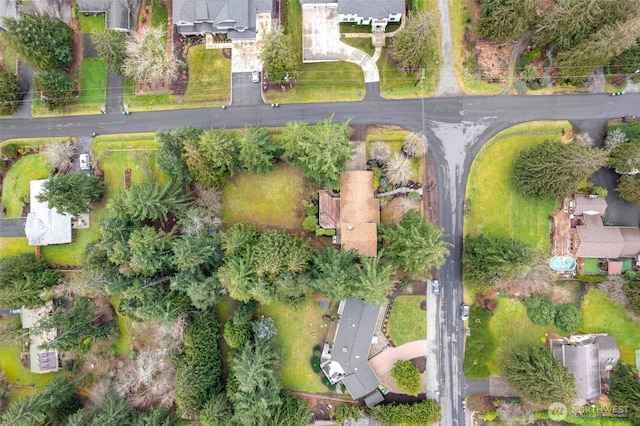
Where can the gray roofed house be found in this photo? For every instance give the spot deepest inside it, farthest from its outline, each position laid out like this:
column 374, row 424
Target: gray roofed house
column 117, row 12
column 587, row 356
column 376, row 13
column 45, row 226
column 235, row 18
column 607, row 242
column 347, row 359
column 8, row 9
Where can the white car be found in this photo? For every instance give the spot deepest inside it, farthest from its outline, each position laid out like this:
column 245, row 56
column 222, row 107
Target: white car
column 464, row 312
column 84, row 162
column 255, row 76
column 436, row 287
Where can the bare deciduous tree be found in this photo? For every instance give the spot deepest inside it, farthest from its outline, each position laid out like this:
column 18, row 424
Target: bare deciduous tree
column 415, row 145
column 615, row 138
column 515, row 414
column 399, row 169
column 380, row 151
column 209, row 201
column 59, row 155
column 148, row 57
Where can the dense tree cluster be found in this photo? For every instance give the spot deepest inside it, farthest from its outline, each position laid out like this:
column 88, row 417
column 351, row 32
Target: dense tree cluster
column 553, row 169
column 414, row 245
column 536, row 375
column 8, row 93
column 420, row 413
column 587, row 33
column 40, row 39
column 147, row 56
column 198, row 365
column 71, row 193
column 632, row 290
column 321, row 150
column 22, row 280
column 625, row 391
column 488, row 260
column 56, row 88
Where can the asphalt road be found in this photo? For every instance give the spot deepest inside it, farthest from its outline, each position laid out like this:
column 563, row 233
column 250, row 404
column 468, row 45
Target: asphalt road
column 456, row 128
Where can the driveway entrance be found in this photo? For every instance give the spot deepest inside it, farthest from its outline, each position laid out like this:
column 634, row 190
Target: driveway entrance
column 321, row 40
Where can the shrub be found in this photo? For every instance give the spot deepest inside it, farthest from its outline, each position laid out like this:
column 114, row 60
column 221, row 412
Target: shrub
column 379, row 151
column 414, row 145
column 414, row 196
column 344, row 412
column 489, row 416
column 539, row 310
column 9, row 151
column 521, row 87
column 70, row 365
column 534, row 85
column 310, row 208
column 321, row 232
column 3, row 165
column 568, row 317
column 328, row 384
column 315, row 364
column 317, row 351
column 310, row 223
column 407, row 377
column 592, row 278
column 143, row 19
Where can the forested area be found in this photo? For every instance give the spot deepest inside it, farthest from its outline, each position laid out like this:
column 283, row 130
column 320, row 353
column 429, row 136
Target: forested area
column 583, row 34
column 166, row 260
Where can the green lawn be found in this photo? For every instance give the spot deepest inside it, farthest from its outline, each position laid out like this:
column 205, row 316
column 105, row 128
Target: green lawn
column 299, row 330
column 273, row 200
column 591, row 266
column 123, row 343
column 324, row 82
column 93, row 24
column 394, row 137
column 93, row 83
column 10, row 58
column 363, row 44
column 15, row 188
column 395, row 84
column 497, row 207
column 407, row 321
column 69, row 254
column 210, row 76
column 510, row 327
column 14, row 246
column 159, row 14
column 479, row 346
column 600, row 314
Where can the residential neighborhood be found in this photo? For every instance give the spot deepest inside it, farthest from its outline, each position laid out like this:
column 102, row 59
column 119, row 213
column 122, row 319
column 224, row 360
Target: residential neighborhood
column 338, row 212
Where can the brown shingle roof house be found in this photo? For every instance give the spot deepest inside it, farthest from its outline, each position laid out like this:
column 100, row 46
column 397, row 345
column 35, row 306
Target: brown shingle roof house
column 607, row 242
column 359, row 213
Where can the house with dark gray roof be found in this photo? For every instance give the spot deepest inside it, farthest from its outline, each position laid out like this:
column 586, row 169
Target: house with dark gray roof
column 589, row 357
column 235, row 18
column 118, row 13
column 346, row 359
column 376, row 13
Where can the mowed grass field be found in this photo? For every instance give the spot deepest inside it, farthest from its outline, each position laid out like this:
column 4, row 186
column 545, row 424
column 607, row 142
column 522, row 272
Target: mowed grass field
column 299, row 330
column 497, row 207
column 16, row 187
column 407, row 321
column 209, row 76
column 270, row 201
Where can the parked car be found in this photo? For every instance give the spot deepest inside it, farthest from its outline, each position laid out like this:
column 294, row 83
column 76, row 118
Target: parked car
column 255, row 76
column 436, row 287
column 464, row 312
column 84, row 162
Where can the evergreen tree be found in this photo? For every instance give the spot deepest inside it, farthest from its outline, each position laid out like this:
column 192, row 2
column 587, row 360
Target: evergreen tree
column 72, row 193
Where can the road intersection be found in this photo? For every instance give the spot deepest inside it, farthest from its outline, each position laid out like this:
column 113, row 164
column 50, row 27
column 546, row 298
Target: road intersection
column 456, row 128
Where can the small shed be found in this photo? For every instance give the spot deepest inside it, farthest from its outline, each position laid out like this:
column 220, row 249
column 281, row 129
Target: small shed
column 614, row 268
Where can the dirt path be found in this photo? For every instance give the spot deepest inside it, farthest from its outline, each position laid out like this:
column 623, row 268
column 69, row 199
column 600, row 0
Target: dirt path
column 516, row 52
column 448, row 85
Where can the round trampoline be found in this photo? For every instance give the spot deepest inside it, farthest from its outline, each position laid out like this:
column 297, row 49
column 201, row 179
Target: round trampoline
column 563, row 263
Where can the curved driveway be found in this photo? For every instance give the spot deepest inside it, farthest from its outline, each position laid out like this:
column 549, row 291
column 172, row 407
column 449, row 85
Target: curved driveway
column 456, row 128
